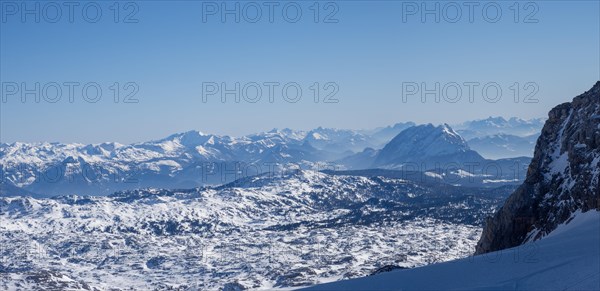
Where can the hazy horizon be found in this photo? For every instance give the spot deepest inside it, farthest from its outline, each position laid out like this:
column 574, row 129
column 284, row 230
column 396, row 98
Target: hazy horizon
column 453, row 125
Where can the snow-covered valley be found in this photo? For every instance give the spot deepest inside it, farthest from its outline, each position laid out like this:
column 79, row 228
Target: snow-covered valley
column 261, row 232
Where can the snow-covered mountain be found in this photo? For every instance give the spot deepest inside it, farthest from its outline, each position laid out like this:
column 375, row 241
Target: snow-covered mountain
column 182, row 160
column 426, row 144
column 259, row 232
column 422, row 144
column 437, row 152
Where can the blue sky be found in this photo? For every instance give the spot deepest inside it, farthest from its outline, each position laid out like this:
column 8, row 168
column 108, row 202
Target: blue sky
column 369, row 53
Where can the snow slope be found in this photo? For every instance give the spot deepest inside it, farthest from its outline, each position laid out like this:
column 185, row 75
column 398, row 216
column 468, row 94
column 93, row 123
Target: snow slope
column 566, row 259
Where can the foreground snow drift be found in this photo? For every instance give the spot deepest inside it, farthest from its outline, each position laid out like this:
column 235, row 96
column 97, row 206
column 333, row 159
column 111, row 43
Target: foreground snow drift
column 567, row 259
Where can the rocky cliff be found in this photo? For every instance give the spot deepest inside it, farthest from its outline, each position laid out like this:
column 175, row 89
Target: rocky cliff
column 562, row 178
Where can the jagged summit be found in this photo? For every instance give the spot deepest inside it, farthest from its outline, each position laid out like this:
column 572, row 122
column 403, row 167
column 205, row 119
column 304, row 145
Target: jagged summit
column 562, row 178
column 595, row 88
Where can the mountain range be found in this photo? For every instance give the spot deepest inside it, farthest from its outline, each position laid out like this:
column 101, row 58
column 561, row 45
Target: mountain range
column 192, row 159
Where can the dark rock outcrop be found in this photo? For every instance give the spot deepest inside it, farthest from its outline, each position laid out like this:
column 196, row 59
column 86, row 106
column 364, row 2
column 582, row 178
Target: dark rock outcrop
column 562, row 178
column 387, row 268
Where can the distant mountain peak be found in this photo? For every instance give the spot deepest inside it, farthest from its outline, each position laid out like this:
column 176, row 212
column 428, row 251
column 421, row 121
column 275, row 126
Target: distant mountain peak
column 189, row 138
column 424, row 143
column 498, row 119
column 185, row 135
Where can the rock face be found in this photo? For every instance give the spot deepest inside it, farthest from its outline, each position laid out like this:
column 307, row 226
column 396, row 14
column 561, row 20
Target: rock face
column 562, row 178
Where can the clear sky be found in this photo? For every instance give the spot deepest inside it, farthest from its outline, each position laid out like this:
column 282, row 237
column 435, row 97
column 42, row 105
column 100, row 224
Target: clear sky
column 176, row 48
